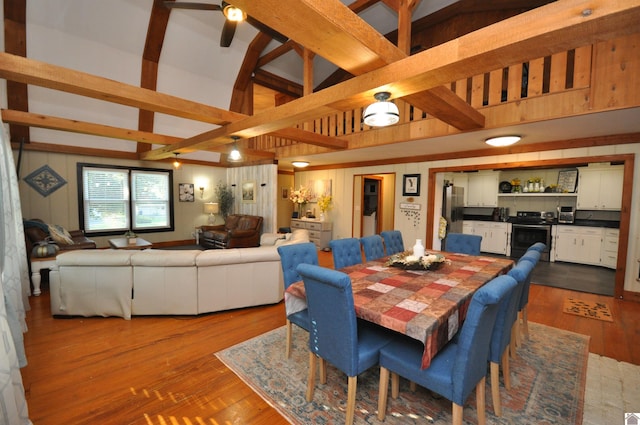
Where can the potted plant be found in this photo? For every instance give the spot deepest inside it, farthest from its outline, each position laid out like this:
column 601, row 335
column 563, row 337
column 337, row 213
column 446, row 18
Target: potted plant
column 131, row 237
column 225, row 199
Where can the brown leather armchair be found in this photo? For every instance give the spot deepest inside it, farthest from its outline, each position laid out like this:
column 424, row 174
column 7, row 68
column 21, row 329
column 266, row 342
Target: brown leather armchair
column 238, row 231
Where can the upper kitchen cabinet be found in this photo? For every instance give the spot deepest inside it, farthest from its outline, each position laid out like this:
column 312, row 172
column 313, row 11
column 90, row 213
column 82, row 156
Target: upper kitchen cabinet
column 483, row 189
column 600, row 188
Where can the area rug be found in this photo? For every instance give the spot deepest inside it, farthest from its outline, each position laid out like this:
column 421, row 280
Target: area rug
column 592, row 310
column 548, row 383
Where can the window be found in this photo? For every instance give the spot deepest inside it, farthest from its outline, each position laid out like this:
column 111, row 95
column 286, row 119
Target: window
column 115, row 199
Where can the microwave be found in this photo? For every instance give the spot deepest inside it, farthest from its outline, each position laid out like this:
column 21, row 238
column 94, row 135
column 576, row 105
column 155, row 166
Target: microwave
column 566, row 215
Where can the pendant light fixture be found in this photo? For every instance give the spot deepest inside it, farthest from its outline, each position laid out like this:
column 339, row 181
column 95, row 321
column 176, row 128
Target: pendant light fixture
column 382, row 112
column 234, row 155
column 176, row 162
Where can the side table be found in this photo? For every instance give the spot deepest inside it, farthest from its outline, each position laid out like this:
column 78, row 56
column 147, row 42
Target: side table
column 123, row 243
column 38, row 264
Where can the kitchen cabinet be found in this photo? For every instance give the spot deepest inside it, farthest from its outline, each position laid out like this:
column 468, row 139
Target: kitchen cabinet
column 319, row 231
column 610, row 248
column 494, row 236
column 578, row 244
column 483, row 189
column 600, row 188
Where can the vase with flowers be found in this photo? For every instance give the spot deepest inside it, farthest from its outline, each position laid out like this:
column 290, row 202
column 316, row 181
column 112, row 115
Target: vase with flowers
column 299, row 198
column 324, row 203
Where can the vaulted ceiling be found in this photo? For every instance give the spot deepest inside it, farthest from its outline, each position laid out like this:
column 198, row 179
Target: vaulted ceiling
column 335, row 59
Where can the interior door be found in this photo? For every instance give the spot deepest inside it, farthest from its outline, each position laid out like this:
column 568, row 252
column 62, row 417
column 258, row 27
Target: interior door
column 373, row 192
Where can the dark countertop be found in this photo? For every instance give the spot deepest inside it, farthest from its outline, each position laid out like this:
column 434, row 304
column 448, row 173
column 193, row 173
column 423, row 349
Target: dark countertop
column 589, row 223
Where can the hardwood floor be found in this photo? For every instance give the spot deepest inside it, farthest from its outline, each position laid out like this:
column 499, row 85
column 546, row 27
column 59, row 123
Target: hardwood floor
column 162, row 370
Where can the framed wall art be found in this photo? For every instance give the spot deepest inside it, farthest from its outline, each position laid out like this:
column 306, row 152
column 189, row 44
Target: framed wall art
column 185, row 192
column 249, row 192
column 411, row 185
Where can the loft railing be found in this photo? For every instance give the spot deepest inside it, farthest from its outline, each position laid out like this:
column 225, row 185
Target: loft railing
column 551, row 74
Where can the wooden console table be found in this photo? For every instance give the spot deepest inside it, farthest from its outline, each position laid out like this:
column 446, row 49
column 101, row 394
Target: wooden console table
column 319, row 231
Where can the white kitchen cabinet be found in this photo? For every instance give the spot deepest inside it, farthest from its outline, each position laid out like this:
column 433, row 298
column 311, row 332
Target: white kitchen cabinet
column 467, row 227
column 494, row 236
column 610, row 248
column 600, row 188
column 483, row 189
column 578, row 244
column 319, row 231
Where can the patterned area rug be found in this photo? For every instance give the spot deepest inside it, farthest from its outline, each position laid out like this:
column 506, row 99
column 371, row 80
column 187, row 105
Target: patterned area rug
column 548, row 383
column 588, row 309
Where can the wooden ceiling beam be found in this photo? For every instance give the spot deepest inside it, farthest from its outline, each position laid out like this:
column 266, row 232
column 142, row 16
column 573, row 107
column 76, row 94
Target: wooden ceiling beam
column 352, row 44
column 560, row 26
column 74, row 126
column 29, row 71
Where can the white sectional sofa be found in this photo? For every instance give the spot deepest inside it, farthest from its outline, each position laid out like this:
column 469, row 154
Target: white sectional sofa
column 164, row 282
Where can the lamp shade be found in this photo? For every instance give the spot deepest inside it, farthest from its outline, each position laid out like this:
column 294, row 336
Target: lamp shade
column 211, row 208
column 381, row 113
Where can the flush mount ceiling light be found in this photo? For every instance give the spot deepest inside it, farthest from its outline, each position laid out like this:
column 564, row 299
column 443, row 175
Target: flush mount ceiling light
column 382, row 112
column 233, row 13
column 300, row 164
column 235, row 155
column 502, row 140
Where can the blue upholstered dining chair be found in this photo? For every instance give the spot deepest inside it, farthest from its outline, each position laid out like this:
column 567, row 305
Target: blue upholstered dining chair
column 504, row 334
column 463, row 243
column 392, row 241
column 460, row 366
column 532, row 256
column 538, row 246
column 290, row 257
column 346, row 252
column 336, row 336
column 373, row 247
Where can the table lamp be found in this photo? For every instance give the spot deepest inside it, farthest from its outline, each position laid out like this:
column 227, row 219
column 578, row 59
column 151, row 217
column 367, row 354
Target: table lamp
column 211, row 208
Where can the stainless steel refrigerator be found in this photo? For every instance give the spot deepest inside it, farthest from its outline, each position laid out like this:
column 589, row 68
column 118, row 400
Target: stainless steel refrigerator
column 453, row 208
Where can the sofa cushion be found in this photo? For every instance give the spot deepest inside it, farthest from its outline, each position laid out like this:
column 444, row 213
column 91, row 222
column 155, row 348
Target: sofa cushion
column 270, row 239
column 100, row 257
column 165, row 258
column 60, row 235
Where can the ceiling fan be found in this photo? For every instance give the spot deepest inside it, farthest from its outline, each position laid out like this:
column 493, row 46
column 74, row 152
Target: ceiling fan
column 232, row 15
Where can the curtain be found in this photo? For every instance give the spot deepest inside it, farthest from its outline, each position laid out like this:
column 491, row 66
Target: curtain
column 14, row 292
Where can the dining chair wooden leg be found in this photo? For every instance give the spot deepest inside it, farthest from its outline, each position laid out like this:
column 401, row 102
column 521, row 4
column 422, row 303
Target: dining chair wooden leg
column 480, row 403
column 289, row 332
column 506, row 370
column 525, row 322
column 395, row 385
column 383, row 393
column 323, row 370
column 495, row 388
column 351, row 399
column 457, row 414
column 311, row 380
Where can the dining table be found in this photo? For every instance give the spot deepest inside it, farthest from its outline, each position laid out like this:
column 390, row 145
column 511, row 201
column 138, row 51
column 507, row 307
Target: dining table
column 427, row 305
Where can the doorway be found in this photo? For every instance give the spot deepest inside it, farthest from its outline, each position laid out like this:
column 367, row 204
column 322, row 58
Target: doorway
column 373, row 204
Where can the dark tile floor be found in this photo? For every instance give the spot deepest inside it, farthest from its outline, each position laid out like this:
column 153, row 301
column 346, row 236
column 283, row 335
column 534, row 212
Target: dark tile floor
column 577, row 277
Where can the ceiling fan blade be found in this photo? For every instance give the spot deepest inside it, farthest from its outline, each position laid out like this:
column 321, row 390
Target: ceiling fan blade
column 228, row 30
column 191, row 5
column 267, row 30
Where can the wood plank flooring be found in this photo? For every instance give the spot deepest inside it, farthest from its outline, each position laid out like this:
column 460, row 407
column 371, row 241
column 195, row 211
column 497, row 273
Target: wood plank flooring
column 162, row 370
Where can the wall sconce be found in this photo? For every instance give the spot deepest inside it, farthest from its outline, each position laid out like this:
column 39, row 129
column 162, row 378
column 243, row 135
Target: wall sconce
column 502, row 140
column 201, row 192
column 211, row 208
column 382, row 112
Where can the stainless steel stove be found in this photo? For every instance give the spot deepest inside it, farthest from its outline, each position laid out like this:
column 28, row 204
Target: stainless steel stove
column 528, row 228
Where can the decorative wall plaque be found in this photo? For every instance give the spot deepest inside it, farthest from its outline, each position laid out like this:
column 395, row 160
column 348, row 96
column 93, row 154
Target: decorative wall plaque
column 45, row 181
